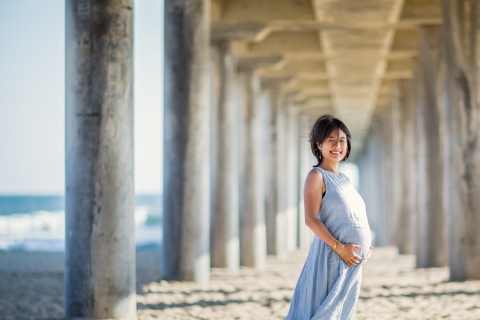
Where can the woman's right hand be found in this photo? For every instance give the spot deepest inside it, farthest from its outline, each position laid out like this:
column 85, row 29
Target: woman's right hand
column 348, row 255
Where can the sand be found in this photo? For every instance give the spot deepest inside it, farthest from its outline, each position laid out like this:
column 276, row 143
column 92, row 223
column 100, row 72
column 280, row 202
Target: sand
column 31, row 287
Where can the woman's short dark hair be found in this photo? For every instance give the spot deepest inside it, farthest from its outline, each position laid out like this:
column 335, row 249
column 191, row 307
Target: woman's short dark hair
column 322, row 128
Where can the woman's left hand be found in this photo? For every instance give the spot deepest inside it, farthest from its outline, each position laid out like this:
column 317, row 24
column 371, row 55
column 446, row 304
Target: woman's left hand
column 368, row 255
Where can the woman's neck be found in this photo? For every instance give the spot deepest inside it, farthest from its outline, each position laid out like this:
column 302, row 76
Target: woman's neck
column 330, row 166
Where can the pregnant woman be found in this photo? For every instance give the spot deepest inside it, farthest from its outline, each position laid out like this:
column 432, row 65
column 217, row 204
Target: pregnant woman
column 329, row 285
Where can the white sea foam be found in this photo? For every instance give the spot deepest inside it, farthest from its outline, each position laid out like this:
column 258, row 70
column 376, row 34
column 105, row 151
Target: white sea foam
column 45, row 230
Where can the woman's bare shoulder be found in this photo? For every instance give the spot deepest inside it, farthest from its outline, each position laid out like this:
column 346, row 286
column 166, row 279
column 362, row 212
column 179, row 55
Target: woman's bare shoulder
column 314, row 177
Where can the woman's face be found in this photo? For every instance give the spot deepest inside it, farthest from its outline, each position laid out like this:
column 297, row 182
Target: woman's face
column 334, row 147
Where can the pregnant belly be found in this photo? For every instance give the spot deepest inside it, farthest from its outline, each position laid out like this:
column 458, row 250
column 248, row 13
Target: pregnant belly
column 356, row 235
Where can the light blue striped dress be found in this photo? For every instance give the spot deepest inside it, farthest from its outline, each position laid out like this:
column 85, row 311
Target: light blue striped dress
column 327, row 287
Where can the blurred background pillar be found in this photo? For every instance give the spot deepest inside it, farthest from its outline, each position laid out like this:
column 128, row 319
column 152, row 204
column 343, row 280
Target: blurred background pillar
column 395, row 181
column 253, row 242
column 407, row 168
column 225, row 231
column 431, row 235
column 186, row 189
column 370, row 165
column 291, row 170
column 306, row 162
column 276, row 214
column 99, row 194
column 461, row 34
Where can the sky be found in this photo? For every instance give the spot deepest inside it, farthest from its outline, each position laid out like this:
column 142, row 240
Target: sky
column 32, row 96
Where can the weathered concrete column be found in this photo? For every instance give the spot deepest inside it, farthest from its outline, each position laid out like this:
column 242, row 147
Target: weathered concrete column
column 225, row 233
column 431, row 235
column 407, row 169
column 391, row 175
column 276, row 210
column 370, row 165
column 461, row 34
column 99, row 194
column 186, row 187
column 253, row 240
column 291, row 168
column 306, row 161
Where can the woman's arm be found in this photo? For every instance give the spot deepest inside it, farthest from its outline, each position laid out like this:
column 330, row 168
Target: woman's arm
column 312, row 193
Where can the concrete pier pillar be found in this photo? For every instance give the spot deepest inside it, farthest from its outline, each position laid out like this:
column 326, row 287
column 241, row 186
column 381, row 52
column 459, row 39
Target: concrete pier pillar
column 253, row 240
column 306, row 162
column 391, row 160
column 461, row 29
column 431, row 234
column 186, row 197
column 99, row 194
column 276, row 210
column 406, row 167
column 291, row 168
column 225, row 233
column 370, row 165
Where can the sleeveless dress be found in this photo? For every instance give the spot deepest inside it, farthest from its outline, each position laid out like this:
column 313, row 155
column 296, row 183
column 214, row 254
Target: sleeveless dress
column 327, row 287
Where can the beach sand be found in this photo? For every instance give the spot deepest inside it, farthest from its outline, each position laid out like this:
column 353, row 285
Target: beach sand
column 31, row 287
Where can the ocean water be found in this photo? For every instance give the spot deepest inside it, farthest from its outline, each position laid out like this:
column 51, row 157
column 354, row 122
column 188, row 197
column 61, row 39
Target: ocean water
column 37, row 223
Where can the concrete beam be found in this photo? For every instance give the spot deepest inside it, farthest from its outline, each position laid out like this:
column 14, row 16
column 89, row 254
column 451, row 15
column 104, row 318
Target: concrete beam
column 399, row 66
column 275, row 82
column 239, row 11
column 279, row 43
column 405, row 40
column 386, row 87
column 325, row 106
column 250, row 63
column 310, row 91
column 420, row 9
column 304, row 66
column 310, row 84
column 258, row 30
column 398, row 75
column 253, row 31
column 384, row 99
column 372, row 11
column 360, row 25
column 345, row 54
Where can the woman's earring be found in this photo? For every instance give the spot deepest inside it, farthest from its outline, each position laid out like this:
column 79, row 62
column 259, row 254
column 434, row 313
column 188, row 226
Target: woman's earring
column 320, row 156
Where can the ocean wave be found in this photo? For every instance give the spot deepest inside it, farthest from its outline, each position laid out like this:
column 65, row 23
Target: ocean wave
column 45, row 230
